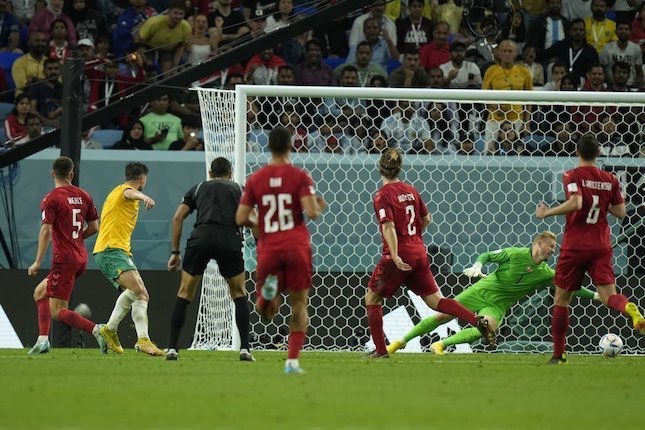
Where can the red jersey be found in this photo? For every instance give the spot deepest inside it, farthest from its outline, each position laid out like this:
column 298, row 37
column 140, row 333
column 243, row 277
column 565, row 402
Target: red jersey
column 66, row 209
column 587, row 228
column 277, row 190
column 401, row 203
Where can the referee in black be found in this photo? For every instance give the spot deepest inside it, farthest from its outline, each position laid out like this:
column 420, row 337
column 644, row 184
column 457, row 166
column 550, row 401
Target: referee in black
column 216, row 236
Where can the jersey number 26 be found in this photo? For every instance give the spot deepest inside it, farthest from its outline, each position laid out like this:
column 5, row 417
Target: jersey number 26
column 278, row 216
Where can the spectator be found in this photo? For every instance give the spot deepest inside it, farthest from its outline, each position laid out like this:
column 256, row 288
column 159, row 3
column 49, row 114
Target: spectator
column 409, row 75
column 128, row 24
column 576, row 9
column 625, row 10
column 24, row 10
column 515, row 31
column 15, row 124
column 532, row 13
column 257, row 24
column 363, row 64
column 47, row 95
column 467, row 147
column 587, row 117
column 30, row 67
column 262, row 68
column 203, row 41
column 415, row 30
column 43, row 20
column 167, row 34
column 377, row 142
column 459, row 73
column 600, row 29
column 450, row 11
column 313, row 71
column 574, row 50
column 300, row 141
column 103, row 46
column 161, row 128
column 190, row 141
column 437, row 51
column 383, row 47
column 87, row 142
column 34, row 129
column 328, row 138
column 385, row 25
column 625, row 51
column 405, row 129
column 507, row 141
column 506, row 76
column 611, row 142
column 59, row 47
column 551, row 28
column 638, row 27
column 621, row 75
column 9, row 29
column 230, row 24
column 535, row 69
column 250, row 8
column 133, row 138
column 558, row 71
column 89, row 22
column 347, row 111
column 293, row 50
column 281, row 17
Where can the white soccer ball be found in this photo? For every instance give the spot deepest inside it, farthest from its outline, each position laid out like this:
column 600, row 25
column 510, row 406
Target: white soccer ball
column 610, row 345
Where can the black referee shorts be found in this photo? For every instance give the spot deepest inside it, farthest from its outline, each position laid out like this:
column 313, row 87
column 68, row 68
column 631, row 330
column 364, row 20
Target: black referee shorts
column 225, row 247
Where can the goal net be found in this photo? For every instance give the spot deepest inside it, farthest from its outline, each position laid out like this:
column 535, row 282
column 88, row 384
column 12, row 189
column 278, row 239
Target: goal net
column 481, row 179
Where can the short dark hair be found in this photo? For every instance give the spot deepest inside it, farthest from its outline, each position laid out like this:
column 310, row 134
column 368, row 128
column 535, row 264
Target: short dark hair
column 287, row 67
column 135, row 170
column 177, row 4
column 364, row 43
column 279, row 141
column 348, row 68
column 588, row 147
column 457, row 45
column 315, row 42
column 50, row 61
column 62, row 167
column 390, row 163
column 221, row 167
column 620, row 65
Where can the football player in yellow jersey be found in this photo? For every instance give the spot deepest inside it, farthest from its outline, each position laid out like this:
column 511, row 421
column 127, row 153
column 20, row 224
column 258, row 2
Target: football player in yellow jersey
column 114, row 257
column 506, row 76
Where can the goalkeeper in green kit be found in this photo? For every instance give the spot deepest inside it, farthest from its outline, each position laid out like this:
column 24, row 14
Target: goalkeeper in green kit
column 520, row 271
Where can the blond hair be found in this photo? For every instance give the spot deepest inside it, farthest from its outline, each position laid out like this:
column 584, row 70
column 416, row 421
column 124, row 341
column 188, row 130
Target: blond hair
column 390, row 163
column 544, row 235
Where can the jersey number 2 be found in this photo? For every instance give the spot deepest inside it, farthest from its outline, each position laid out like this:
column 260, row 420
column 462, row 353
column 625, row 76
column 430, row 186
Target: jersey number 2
column 594, row 210
column 412, row 229
column 78, row 225
column 277, row 205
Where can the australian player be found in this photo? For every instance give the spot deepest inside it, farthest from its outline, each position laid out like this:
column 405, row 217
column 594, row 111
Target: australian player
column 402, row 217
column 68, row 217
column 591, row 194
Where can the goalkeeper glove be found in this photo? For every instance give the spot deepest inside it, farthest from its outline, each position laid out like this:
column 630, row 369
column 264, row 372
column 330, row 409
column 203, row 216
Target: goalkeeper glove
column 475, row 271
column 596, row 297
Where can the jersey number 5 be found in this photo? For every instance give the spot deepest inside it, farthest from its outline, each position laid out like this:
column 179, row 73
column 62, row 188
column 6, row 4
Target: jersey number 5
column 594, row 210
column 78, row 225
column 277, row 207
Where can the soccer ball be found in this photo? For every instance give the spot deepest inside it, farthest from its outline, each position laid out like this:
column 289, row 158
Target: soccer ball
column 610, row 345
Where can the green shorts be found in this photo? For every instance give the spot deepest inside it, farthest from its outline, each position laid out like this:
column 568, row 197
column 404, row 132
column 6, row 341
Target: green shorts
column 473, row 299
column 113, row 262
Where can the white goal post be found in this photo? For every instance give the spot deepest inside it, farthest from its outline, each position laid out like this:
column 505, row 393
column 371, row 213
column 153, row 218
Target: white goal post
column 479, row 202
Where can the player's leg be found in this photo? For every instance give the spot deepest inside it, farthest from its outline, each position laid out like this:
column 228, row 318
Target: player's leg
column 269, row 281
column 425, row 326
column 602, row 275
column 374, row 305
column 42, row 344
column 185, row 296
column 298, row 324
column 492, row 314
column 132, row 281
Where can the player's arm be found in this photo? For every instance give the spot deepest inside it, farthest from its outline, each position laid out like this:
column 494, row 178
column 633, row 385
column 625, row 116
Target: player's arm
column 573, row 203
column 43, row 243
column 132, row 194
column 389, row 234
column 313, row 205
column 246, row 216
column 91, row 229
column 619, row 210
column 425, row 221
column 499, row 256
column 177, row 225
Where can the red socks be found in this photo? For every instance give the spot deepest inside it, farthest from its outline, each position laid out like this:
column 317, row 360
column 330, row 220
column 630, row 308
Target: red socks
column 559, row 327
column 44, row 316
column 375, row 319
column 75, row 320
column 451, row 307
column 617, row 302
column 296, row 340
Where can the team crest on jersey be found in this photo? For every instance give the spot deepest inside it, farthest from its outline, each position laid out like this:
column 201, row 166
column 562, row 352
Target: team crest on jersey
column 529, row 269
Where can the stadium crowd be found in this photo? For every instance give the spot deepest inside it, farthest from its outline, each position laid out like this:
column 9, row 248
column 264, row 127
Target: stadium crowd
column 553, row 45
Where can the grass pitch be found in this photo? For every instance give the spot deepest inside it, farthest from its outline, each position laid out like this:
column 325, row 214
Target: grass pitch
column 79, row 389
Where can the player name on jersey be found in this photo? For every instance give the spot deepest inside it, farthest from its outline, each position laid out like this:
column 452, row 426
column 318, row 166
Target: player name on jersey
column 405, row 197
column 596, row 185
column 75, row 200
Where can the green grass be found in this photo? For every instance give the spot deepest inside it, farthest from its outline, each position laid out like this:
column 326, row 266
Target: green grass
column 78, row 389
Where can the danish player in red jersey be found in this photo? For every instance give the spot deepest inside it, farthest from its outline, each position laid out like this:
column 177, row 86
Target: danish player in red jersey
column 68, row 217
column 282, row 193
column 402, row 217
column 591, row 193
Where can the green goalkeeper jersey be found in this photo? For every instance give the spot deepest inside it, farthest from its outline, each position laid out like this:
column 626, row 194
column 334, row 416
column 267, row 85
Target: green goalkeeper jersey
column 516, row 276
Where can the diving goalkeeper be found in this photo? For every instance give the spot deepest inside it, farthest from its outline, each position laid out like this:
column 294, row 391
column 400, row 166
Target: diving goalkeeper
column 520, row 271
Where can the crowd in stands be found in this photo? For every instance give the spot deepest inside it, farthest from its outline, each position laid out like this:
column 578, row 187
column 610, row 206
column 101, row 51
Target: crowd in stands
column 552, row 45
